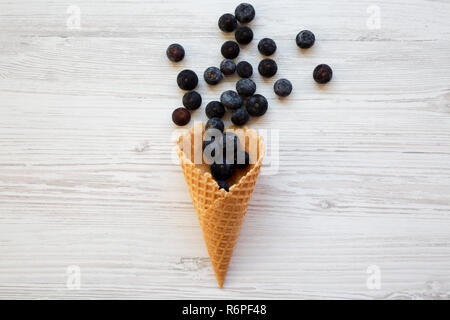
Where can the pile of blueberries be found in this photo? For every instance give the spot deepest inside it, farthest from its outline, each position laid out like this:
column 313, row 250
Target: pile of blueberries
column 243, row 102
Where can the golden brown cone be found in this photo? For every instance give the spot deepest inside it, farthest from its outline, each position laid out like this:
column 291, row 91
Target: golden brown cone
column 221, row 213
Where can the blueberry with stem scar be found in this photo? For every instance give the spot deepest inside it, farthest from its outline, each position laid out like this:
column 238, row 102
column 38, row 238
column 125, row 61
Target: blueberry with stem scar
column 215, row 109
column 192, row 100
column 228, row 67
column 181, row 116
column 187, row 80
column 175, row 52
column 227, row 22
column 322, row 73
column 213, row 76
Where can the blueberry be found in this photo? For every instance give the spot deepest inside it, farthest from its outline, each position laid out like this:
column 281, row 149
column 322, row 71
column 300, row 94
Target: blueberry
column 322, row 73
column 228, row 67
column 181, row 116
column 227, row 22
column 215, row 123
column 244, row 12
column 231, row 100
column 222, row 171
column 241, row 159
column 244, row 69
column 246, row 87
column 239, row 117
column 212, row 75
column 256, row 105
column 223, row 185
column 187, row 80
column 192, row 100
column 267, row 68
column 244, row 35
column 267, row 46
column 230, row 144
column 282, row 87
column 305, row 39
column 230, row 49
column 175, row 52
column 215, row 109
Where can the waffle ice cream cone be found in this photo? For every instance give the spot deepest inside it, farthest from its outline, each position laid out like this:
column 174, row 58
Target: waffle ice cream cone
column 219, row 212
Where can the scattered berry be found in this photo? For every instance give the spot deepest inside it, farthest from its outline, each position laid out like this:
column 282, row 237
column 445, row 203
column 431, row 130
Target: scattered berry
column 212, row 75
column 244, row 69
column 244, row 35
column 175, row 52
column 231, row 100
column 192, row 100
column 322, row 73
column 240, row 117
column 223, row 185
column 246, row 87
column 244, row 12
column 267, row 46
column 187, row 80
column 215, row 109
column 222, row 171
column 228, row 67
column 215, row 123
column 305, row 39
column 227, row 22
column 267, row 68
column 256, row 105
column 181, row 116
column 282, row 87
column 241, row 159
column 230, row 49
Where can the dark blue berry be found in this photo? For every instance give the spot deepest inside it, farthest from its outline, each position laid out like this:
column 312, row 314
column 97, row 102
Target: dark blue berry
column 282, row 87
column 244, row 35
column 230, row 49
column 181, row 116
column 256, row 105
column 175, row 52
column 223, row 185
column 192, row 100
column 231, row 100
column 244, row 12
column 212, row 75
column 228, row 67
column 222, row 171
column 215, row 123
column 215, row 109
column 246, row 87
column 305, row 39
column 267, row 68
column 322, row 73
column 244, row 69
column 241, row 159
column 227, row 22
column 240, row 117
column 267, row 46
column 187, row 80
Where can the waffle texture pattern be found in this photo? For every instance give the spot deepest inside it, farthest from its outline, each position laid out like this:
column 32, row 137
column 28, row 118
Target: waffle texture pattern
column 220, row 213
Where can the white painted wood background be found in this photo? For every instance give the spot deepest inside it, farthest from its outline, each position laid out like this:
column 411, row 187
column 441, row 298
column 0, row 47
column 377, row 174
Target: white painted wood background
column 86, row 171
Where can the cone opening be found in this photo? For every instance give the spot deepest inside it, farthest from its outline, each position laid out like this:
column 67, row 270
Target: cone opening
column 190, row 150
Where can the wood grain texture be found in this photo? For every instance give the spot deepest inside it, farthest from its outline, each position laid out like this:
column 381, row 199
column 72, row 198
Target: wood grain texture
column 87, row 175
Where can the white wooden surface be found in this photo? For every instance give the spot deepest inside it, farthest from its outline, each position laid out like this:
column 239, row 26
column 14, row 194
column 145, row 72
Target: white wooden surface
column 86, row 171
